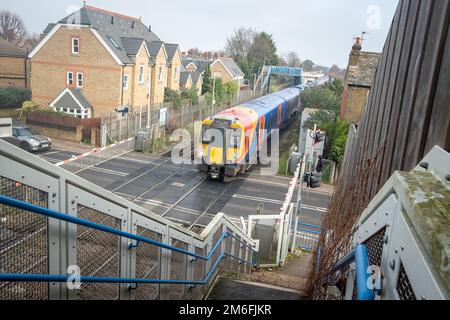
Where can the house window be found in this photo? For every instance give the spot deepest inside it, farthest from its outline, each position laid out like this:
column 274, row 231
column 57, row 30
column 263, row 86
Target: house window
column 80, row 80
column 175, row 71
column 78, row 111
column 160, row 74
column 72, row 110
column 125, row 81
column 69, row 78
column 75, row 45
column 141, row 74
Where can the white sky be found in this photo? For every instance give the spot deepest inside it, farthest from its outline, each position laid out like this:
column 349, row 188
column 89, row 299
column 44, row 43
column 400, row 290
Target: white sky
column 320, row 30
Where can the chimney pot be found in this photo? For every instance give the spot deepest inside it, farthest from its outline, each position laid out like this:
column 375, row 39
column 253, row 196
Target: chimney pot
column 149, row 28
column 112, row 19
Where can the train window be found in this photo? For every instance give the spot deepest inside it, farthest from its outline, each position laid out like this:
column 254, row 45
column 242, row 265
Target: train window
column 234, row 138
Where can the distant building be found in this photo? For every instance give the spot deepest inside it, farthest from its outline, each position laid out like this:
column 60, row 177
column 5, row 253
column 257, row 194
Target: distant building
column 14, row 66
column 173, row 65
column 227, row 70
column 185, row 80
column 311, row 76
column 98, row 61
column 358, row 81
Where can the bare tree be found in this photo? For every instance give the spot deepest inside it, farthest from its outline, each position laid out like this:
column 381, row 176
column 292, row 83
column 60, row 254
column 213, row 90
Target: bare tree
column 292, row 59
column 12, row 28
column 31, row 41
column 238, row 45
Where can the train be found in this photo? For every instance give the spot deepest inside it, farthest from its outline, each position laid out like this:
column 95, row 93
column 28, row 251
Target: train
column 232, row 139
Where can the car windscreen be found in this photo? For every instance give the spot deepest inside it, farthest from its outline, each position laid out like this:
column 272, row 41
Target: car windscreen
column 25, row 132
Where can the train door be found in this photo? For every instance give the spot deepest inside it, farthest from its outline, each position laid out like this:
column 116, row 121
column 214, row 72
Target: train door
column 280, row 113
column 262, row 126
column 291, row 107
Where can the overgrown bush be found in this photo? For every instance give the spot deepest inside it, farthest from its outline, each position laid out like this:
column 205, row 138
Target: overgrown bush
column 13, row 97
column 29, row 105
column 191, row 94
column 173, row 97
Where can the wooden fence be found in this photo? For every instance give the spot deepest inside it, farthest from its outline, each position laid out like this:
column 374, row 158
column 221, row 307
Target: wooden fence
column 65, row 127
column 408, row 108
column 407, row 113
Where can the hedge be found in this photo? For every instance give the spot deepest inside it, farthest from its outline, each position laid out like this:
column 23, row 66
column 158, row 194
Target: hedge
column 13, row 97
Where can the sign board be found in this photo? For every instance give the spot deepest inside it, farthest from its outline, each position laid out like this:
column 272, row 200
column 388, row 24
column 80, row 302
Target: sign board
column 162, row 117
column 5, row 127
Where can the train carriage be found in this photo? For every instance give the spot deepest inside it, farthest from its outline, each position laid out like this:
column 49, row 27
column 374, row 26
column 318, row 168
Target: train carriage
column 232, row 139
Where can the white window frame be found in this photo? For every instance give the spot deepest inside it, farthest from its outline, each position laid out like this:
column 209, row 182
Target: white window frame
column 160, row 74
column 78, row 79
column 175, row 77
column 141, row 73
column 125, row 82
column 75, row 46
column 69, row 80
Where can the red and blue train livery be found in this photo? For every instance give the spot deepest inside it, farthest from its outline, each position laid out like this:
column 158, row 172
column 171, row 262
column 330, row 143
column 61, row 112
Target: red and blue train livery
column 233, row 136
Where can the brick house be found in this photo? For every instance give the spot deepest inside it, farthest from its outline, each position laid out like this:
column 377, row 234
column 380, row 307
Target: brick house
column 358, row 81
column 185, row 80
column 104, row 58
column 227, row 70
column 14, row 66
column 173, row 65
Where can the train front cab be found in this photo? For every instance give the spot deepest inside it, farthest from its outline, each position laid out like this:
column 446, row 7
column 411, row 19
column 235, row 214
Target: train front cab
column 223, row 148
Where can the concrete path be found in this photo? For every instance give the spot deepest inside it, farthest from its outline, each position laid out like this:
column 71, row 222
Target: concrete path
column 227, row 289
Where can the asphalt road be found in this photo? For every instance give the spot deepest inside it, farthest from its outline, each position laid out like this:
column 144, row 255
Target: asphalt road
column 180, row 193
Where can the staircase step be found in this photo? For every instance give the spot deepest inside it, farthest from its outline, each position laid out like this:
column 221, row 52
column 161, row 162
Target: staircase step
column 227, row 289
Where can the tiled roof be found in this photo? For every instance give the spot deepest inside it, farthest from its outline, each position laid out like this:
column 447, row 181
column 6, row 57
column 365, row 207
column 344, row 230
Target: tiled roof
column 112, row 27
column 232, row 67
column 68, row 101
column 184, row 77
column 199, row 63
column 361, row 73
column 196, row 76
column 8, row 49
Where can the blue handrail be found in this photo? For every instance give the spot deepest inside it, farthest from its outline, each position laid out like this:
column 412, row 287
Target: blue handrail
column 62, row 278
column 361, row 257
column 23, row 277
column 57, row 215
column 362, row 275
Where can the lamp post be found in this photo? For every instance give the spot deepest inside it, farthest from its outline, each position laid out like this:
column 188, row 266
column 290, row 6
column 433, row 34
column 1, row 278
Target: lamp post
column 214, row 96
column 149, row 80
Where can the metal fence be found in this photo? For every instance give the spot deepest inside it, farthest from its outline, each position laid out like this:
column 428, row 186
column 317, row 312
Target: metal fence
column 163, row 119
column 52, row 220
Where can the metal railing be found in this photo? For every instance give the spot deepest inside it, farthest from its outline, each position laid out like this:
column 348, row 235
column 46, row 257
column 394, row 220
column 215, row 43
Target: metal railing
column 360, row 257
column 307, row 236
column 52, row 220
column 396, row 245
column 81, row 222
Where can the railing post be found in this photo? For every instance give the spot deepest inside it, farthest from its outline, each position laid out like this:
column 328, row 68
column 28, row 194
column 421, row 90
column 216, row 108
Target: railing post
column 190, row 270
column 165, row 265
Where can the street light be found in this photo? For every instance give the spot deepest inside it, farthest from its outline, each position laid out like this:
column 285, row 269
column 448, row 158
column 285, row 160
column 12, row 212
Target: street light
column 214, row 96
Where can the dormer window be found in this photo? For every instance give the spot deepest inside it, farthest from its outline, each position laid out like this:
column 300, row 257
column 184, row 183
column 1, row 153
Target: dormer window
column 75, row 45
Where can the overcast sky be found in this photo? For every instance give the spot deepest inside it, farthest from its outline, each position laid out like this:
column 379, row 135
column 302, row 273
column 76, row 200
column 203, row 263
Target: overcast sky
column 320, row 30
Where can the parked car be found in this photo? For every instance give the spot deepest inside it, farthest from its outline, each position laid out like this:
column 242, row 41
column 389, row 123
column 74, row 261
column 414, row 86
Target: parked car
column 30, row 140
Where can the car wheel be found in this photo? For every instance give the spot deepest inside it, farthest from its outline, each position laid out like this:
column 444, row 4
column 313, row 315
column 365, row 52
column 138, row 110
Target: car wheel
column 25, row 146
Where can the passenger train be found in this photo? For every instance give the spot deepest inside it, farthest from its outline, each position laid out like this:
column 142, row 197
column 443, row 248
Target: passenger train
column 232, row 138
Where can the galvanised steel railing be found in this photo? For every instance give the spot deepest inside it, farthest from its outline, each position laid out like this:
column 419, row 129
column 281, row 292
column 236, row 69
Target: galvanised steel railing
column 52, row 220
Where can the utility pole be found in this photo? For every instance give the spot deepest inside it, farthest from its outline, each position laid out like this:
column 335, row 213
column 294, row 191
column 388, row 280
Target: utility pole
column 214, row 96
column 149, row 80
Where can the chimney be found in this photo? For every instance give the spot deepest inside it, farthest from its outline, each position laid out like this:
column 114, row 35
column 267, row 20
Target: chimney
column 149, row 28
column 358, row 44
column 132, row 24
column 112, row 19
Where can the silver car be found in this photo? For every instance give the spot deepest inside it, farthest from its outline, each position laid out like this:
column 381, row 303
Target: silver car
column 30, row 140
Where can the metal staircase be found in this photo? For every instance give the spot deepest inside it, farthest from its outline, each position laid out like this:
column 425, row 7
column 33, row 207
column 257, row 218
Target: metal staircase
column 62, row 237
